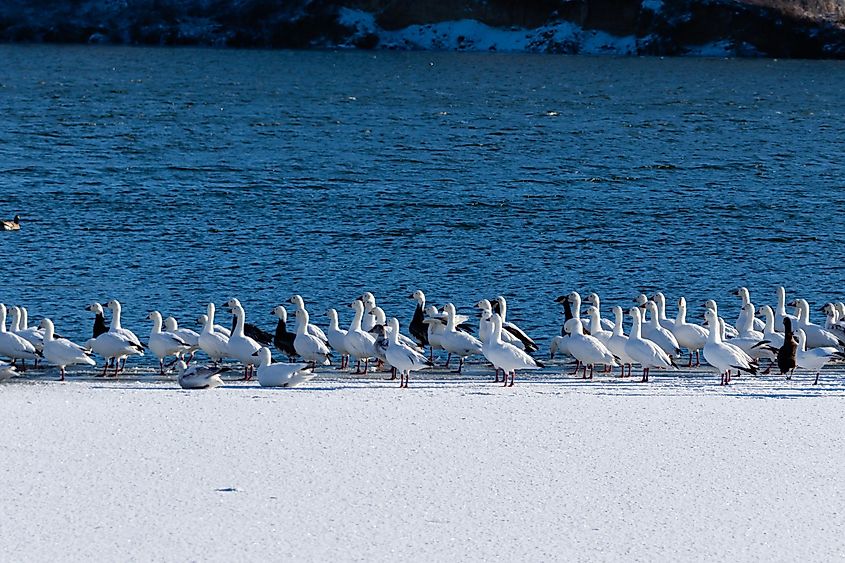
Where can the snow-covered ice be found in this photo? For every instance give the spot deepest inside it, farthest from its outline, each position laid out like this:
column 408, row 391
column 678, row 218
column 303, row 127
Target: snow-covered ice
column 452, row 468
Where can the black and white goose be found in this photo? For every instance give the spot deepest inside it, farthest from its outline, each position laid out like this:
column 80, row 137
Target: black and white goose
column 250, row 330
column 500, row 307
column 282, row 339
column 418, row 328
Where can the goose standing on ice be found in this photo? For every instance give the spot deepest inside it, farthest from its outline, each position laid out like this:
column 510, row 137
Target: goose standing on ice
column 111, row 346
column 691, row 336
column 500, row 306
column 403, row 357
column 219, row 329
column 283, row 338
column 359, row 343
column 815, row 358
column 643, row 351
column 788, row 350
column 116, row 328
column 722, row 357
column 337, row 338
column 241, row 346
column 368, row 321
column 742, row 293
column 62, row 352
column 186, row 334
column 660, row 300
column 13, row 346
column 164, row 343
column 457, row 342
column 504, row 356
column 13, row 225
column 594, row 300
column 713, row 306
column 100, row 325
column 33, row 335
column 251, row 330
column 312, row 329
column 311, row 348
column 780, row 310
column 587, row 349
column 816, row 335
column 271, row 374
column 418, row 328
column 617, row 342
column 652, row 330
column 215, row 344
column 199, row 377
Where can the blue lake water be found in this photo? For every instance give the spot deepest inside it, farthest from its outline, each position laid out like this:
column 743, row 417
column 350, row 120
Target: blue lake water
column 170, row 177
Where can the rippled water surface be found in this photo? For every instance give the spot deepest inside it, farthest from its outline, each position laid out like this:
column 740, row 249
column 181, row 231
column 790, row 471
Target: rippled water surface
column 168, row 178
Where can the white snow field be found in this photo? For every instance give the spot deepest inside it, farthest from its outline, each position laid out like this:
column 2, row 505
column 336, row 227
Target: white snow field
column 454, row 468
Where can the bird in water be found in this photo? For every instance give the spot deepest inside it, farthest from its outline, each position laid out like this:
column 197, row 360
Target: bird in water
column 13, row 225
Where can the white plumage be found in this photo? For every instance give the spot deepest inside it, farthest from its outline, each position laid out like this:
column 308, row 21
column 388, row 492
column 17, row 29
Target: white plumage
column 280, row 374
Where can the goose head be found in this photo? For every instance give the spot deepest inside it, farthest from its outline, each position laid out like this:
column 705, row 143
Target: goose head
column 95, row 308
column 280, row 312
column 419, row 296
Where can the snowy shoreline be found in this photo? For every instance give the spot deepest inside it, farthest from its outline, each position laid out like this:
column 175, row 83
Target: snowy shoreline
column 454, row 467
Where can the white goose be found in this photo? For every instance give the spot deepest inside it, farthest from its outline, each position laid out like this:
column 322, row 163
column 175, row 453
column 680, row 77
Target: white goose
column 526, row 342
column 617, row 342
column 814, row 359
column 359, row 343
column 186, row 334
column 199, row 377
column 586, row 348
column 280, row 374
column 368, row 321
column 643, row 351
column 62, row 352
column 504, row 356
column 780, row 310
column 112, row 346
column 219, row 329
column 13, row 346
column 457, row 342
column 817, row 336
column 313, row 330
column 311, row 348
column 337, row 339
column 722, row 357
column 215, row 344
column 729, row 330
column 33, row 335
column 596, row 328
column 594, row 300
column 660, row 300
column 401, row 356
column 164, row 343
column 742, row 293
column 485, row 326
column 691, row 336
column 241, row 346
column 769, row 333
column 435, row 329
column 115, row 327
column 657, row 334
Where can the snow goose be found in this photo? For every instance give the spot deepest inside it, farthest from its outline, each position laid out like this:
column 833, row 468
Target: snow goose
column 745, row 322
column 435, row 329
column 817, row 336
column 660, row 300
column 13, row 225
column 241, row 346
column 111, row 346
column 115, row 326
column 401, row 356
column 7, row 371
column 751, row 341
column 417, row 328
column 215, row 344
column 250, row 330
column 456, row 342
column 13, row 346
column 594, row 300
column 596, row 328
column 815, row 358
column 832, row 321
column 485, row 325
column 500, row 306
column 657, row 334
column 368, row 321
column 62, row 352
column 587, row 349
column 722, row 357
column 643, row 351
column 219, row 329
column 381, row 320
column 337, row 339
column 313, row 329
column 575, row 302
column 780, row 310
column 311, row 348
column 359, row 343
column 691, row 336
column 100, row 325
column 504, row 356
column 164, row 343
column 186, row 334
column 742, row 293
column 729, row 330
column 33, row 335
column 283, row 338
column 199, row 377
column 280, row 374
column 769, row 334
column 617, row 341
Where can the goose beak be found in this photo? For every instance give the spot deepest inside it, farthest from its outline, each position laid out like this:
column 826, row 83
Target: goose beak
column 791, row 304
column 561, row 299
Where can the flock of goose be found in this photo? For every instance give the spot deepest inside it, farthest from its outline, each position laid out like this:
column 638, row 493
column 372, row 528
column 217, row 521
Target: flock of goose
column 788, row 341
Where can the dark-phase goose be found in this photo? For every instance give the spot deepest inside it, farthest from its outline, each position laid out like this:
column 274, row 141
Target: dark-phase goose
column 252, row 331
column 786, row 353
column 500, row 307
column 418, row 328
column 282, row 339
